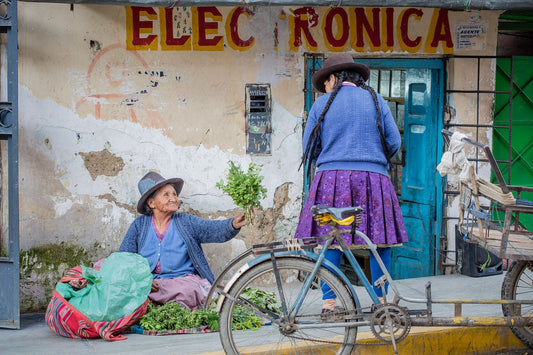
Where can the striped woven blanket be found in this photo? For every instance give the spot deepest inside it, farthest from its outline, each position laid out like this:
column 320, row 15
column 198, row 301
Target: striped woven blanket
column 67, row 321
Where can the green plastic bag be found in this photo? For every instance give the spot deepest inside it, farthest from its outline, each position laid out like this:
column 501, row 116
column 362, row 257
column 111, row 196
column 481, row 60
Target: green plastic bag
column 116, row 290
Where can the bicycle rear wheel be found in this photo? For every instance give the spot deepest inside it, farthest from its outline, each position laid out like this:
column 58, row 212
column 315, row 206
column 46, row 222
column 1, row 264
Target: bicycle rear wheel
column 517, row 285
column 279, row 334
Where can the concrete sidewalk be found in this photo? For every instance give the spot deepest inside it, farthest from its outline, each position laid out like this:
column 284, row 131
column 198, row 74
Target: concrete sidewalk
column 35, row 337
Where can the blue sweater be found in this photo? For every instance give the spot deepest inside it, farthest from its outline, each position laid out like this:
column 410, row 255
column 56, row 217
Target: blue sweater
column 349, row 138
column 193, row 230
column 171, row 252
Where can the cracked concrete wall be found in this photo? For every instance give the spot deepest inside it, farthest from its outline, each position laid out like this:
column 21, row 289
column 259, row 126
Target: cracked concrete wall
column 95, row 117
column 102, row 116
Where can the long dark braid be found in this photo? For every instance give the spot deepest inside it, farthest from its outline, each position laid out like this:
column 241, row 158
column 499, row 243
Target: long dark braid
column 312, row 143
column 372, row 92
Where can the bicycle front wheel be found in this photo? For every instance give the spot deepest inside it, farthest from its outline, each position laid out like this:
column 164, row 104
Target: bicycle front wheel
column 305, row 331
column 517, row 284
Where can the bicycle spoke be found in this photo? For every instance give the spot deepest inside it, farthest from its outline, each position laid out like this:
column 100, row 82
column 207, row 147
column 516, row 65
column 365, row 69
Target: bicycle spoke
column 308, row 328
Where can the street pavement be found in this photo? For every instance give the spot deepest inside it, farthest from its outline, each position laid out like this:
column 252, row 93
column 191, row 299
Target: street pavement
column 35, row 337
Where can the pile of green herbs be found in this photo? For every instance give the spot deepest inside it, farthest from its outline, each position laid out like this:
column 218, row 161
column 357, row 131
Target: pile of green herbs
column 174, row 316
column 244, row 318
column 244, row 188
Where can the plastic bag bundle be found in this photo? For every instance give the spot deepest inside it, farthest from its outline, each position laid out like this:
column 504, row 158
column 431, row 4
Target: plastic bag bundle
column 454, row 160
column 117, row 289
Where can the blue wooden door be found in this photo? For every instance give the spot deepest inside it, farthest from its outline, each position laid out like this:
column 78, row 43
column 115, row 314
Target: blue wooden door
column 419, row 181
column 414, row 90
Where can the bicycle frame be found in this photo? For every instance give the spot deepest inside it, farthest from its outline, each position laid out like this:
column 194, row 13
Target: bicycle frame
column 388, row 321
column 457, row 320
column 319, row 260
column 287, row 248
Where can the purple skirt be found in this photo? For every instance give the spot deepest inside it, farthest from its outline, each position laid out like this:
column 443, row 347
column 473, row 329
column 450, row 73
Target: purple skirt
column 382, row 218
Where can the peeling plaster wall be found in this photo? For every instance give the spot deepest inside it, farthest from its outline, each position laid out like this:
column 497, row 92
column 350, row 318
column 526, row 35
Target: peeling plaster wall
column 95, row 117
column 103, row 116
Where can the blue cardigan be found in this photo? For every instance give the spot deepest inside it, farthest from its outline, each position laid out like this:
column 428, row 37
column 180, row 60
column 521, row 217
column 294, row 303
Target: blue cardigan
column 349, row 139
column 193, row 230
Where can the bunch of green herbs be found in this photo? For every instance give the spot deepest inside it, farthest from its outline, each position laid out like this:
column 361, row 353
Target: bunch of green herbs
column 244, row 318
column 244, row 188
column 265, row 300
column 174, row 316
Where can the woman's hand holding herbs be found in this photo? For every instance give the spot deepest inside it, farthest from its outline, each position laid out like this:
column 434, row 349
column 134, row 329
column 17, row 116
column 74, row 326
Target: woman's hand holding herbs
column 239, row 221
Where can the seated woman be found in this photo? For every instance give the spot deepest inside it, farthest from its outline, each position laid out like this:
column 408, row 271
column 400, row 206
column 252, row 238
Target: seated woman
column 171, row 242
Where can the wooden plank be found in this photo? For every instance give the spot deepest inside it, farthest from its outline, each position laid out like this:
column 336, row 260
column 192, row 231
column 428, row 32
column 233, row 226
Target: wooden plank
column 476, row 199
column 505, row 243
column 519, row 244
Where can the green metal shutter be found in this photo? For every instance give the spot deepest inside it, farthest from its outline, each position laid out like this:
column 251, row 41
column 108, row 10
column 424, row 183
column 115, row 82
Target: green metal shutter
column 513, row 121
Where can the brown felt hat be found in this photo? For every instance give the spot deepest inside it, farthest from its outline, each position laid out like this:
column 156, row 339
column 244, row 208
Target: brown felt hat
column 150, row 183
column 335, row 63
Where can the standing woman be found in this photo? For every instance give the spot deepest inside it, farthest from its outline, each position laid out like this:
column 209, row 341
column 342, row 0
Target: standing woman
column 351, row 136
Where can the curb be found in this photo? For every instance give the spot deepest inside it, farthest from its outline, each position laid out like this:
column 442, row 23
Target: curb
column 445, row 340
column 427, row 341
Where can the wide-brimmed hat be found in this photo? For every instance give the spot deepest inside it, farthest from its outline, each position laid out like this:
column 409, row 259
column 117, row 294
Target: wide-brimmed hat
column 335, row 63
column 150, row 183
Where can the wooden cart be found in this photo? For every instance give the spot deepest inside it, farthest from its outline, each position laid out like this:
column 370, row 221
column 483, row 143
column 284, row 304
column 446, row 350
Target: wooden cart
column 482, row 205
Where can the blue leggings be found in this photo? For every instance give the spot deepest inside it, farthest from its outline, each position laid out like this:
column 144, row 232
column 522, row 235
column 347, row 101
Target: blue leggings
column 335, row 256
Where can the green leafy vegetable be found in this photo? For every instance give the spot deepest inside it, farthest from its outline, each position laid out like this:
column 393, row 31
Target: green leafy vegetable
column 244, row 187
column 263, row 299
column 173, row 316
column 245, row 318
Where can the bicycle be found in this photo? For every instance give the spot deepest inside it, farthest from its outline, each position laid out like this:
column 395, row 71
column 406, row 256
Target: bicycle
column 293, row 274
